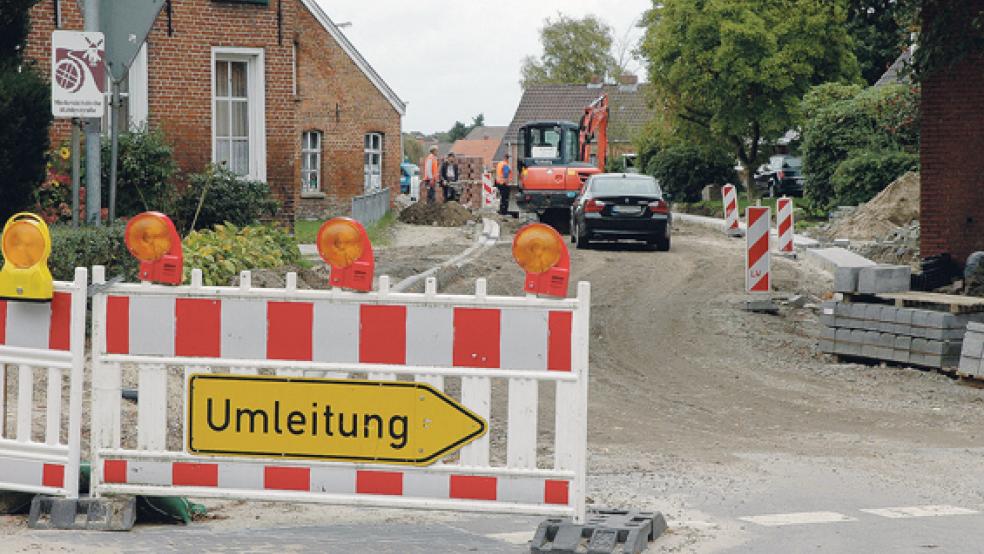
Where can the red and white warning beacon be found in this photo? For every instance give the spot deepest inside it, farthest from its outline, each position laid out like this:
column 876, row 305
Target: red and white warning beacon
column 345, row 246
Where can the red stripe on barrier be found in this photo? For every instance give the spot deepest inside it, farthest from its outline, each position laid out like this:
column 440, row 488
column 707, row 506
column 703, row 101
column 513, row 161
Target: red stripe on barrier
column 187, row 474
column 762, row 285
column 198, row 327
column 3, row 321
column 379, row 482
column 732, row 206
column 755, row 213
column 59, row 333
column 784, row 226
column 118, row 325
column 114, row 471
column 758, row 249
column 559, row 341
column 472, row 487
column 53, row 475
column 289, row 335
column 555, row 492
column 383, row 334
column 476, row 337
column 287, row 478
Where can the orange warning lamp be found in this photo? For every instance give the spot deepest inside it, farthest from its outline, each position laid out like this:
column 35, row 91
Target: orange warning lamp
column 540, row 251
column 344, row 245
column 153, row 240
column 26, row 245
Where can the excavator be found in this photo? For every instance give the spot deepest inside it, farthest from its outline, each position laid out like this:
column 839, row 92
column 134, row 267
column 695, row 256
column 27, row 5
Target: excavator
column 555, row 160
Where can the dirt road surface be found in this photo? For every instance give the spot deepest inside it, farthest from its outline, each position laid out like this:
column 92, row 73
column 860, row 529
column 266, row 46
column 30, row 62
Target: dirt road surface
column 728, row 422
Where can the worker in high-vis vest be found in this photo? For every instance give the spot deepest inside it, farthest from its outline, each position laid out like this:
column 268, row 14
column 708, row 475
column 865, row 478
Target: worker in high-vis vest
column 502, row 174
column 431, row 173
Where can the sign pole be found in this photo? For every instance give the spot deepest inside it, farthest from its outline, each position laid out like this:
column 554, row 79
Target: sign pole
column 114, row 160
column 93, row 169
column 76, row 169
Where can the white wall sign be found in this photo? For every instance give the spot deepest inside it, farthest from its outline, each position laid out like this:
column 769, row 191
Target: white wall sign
column 78, row 74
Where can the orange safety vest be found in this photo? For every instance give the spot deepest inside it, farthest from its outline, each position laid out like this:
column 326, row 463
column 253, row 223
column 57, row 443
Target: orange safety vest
column 435, row 168
column 500, row 178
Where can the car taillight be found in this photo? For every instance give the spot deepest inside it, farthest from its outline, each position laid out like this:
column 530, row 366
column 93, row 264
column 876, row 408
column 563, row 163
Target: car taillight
column 594, row 206
column 782, row 175
column 659, row 207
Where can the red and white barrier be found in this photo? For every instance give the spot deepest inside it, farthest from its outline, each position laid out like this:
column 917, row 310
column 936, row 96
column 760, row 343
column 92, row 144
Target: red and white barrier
column 784, row 224
column 470, row 340
column 730, row 199
column 757, row 258
column 490, row 196
column 42, row 340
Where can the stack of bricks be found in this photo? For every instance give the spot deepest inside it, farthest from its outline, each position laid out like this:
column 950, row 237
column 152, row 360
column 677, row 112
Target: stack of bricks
column 972, row 356
column 881, row 332
column 470, row 194
column 470, row 168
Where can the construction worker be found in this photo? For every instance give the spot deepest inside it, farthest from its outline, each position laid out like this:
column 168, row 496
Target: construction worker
column 449, row 175
column 431, row 173
column 502, row 174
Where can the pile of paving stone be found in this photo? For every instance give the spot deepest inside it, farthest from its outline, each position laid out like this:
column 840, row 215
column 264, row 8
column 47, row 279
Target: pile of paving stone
column 972, row 356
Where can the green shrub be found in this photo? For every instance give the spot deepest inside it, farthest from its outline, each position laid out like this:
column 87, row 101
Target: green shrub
column 226, row 250
column 227, row 198
column 144, row 174
column 683, row 170
column 89, row 246
column 865, row 173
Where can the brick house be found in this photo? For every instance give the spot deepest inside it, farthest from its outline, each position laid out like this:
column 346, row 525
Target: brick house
column 270, row 88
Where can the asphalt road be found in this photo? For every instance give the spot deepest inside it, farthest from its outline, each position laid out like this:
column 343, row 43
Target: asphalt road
column 729, row 423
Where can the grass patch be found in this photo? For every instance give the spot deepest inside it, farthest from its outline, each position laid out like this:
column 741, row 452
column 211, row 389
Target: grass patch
column 306, row 232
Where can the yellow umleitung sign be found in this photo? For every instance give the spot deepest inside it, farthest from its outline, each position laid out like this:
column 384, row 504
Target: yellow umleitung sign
column 393, row 422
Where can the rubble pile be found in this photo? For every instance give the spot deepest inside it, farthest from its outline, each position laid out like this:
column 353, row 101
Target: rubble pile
column 441, row 214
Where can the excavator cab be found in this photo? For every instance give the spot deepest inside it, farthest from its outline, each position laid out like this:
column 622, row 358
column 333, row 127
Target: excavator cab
column 548, row 143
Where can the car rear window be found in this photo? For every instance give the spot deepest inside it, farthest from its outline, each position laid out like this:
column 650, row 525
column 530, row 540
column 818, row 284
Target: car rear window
column 620, row 185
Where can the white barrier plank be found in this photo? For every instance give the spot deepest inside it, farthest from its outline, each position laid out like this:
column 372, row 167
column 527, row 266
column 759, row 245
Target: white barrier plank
column 476, row 395
column 522, row 424
column 53, row 409
column 436, row 381
column 25, row 401
column 566, row 427
column 3, row 401
column 152, row 408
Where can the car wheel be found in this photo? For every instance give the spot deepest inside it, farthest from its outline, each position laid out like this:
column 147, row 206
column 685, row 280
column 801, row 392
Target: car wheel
column 580, row 240
column 663, row 243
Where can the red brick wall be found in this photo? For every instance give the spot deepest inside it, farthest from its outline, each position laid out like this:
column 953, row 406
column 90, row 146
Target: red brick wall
column 336, row 98
column 952, row 197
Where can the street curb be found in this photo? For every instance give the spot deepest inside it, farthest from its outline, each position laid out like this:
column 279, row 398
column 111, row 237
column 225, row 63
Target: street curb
column 485, row 239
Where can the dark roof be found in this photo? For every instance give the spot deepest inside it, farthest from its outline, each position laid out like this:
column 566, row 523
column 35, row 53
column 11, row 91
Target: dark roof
column 896, row 74
column 626, row 105
column 487, row 132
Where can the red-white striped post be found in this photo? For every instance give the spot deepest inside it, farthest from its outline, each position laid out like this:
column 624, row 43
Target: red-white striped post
column 784, row 224
column 730, row 198
column 488, row 191
column 757, row 260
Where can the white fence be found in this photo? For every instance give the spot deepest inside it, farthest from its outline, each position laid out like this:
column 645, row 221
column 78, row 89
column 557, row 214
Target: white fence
column 43, row 342
column 520, row 363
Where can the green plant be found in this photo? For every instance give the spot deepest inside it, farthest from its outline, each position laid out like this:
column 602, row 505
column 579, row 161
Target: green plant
column 145, row 173
column 683, row 170
column 89, row 246
column 221, row 253
column 218, row 195
column 865, row 173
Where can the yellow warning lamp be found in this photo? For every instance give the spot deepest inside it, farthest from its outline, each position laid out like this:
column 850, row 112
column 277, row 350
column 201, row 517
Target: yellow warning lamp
column 540, row 251
column 26, row 245
column 153, row 240
column 344, row 245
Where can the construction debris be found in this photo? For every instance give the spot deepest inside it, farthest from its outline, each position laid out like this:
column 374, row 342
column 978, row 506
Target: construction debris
column 441, row 214
column 895, row 207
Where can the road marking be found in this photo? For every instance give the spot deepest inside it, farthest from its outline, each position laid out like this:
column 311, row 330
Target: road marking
column 521, row 538
column 799, row 518
column 920, row 511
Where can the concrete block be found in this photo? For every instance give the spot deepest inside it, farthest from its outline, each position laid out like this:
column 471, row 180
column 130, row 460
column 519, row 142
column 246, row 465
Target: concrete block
column 830, row 320
column 847, row 343
column 871, row 345
column 975, row 327
column 973, row 345
column 903, row 321
column 970, row 366
column 829, row 259
column 842, row 309
column 941, row 334
column 884, row 278
column 886, row 347
column 604, row 531
column 888, row 319
column 872, row 317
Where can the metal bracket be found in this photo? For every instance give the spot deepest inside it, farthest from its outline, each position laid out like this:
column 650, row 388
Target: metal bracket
column 96, row 288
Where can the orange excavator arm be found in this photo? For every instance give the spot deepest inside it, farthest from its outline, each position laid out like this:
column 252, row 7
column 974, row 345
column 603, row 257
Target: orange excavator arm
column 594, row 129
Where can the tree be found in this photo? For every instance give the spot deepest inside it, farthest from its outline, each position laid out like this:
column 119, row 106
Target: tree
column 477, row 121
column 458, row 131
column 732, row 72
column 574, row 51
column 413, row 149
column 25, row 112
column 879, row 37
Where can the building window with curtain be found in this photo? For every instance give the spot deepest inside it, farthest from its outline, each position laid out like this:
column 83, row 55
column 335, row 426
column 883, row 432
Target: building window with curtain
column 239, row 110
column 311, row 162
column 373, row 162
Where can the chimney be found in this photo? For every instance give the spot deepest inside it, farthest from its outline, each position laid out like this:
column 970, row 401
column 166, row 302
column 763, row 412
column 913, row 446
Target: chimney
column 628, row 82
column 596, row 82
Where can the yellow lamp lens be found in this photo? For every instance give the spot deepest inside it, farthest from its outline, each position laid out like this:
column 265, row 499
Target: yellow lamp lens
column 23, row 244
column 537, row 248
column 340, row 243
column 148, row 237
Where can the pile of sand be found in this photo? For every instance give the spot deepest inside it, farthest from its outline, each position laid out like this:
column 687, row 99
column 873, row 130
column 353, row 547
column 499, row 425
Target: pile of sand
column 895, row 206
column 447, row 214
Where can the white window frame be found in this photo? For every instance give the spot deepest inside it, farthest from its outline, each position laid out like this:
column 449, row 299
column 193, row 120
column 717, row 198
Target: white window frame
column 135, row 96
column 368, row 184
column 256, row 94
column 316, row 170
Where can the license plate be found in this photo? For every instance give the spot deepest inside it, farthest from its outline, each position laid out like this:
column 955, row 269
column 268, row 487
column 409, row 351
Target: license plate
column 626, row 210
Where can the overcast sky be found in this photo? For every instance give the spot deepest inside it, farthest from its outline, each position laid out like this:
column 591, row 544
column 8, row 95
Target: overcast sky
column 452, row 60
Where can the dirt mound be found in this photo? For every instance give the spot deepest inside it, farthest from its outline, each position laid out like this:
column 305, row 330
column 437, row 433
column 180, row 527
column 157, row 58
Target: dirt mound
column 896, row 206
column 448, row 214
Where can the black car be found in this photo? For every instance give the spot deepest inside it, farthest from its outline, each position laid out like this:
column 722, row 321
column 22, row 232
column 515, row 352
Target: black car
column 783, row 175
column 615, row 206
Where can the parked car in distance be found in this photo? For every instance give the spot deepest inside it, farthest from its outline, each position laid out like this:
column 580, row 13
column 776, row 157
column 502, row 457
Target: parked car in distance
column 409, row 177
column 614, row 206
column 783, row 175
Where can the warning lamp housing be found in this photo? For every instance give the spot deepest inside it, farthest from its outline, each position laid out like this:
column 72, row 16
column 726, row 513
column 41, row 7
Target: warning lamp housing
column 153, row 240
column 540, row 251
column 344, row 245
column 26, row 246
